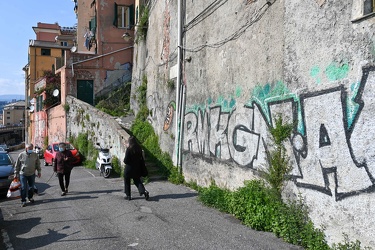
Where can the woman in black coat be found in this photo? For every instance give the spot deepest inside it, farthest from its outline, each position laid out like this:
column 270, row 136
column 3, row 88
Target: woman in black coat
column 62, row 165
column 133, row 160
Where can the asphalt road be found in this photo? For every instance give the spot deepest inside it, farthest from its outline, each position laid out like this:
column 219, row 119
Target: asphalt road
column 95, row 215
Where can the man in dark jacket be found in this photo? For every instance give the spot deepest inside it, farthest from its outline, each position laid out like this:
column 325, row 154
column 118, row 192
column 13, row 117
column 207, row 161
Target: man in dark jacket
column 62, row 165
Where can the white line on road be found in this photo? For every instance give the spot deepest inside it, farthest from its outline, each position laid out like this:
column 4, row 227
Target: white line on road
column 90, row 173
column 6, row 238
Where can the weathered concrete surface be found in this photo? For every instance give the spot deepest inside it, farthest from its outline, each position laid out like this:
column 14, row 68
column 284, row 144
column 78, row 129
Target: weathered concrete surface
column 100, row 127
column 244, row 62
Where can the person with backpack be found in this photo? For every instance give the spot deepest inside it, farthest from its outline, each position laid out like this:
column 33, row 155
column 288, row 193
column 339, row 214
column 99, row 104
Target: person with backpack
column 134, row 168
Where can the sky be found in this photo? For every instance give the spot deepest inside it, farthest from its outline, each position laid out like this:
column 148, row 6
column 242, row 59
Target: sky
column 16, row 21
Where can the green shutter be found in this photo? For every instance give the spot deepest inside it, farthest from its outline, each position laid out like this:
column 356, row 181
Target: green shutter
column 131, row 10
column 115, row 19
column 92, row 25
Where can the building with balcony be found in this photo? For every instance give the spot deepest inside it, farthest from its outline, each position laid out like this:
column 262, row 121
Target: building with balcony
column 93, row 59
column 45, row 54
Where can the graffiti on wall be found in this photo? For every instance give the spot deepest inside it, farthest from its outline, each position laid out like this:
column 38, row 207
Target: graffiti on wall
column 333, row 134
column 169, row 116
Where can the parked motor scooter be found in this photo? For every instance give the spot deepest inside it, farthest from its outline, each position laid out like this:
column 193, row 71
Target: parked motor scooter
column 39, row 151
column 104, row 161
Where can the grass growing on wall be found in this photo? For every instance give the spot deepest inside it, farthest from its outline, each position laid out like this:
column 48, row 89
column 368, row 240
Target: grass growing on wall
column 117, row 103
column 142, row 26
column 89, row 152
column 278, row 161
column 145, row 134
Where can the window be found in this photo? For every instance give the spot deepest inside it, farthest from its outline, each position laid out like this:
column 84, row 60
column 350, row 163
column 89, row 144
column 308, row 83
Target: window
column 363, row 10
column 92, row 25
column 368, row 6
column 64, row 44
column 124, row 16
column 39, row 103
column 46, row 52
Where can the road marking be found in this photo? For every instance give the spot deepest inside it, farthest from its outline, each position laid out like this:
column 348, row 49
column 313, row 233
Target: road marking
column 6, row 238
column 90, row 173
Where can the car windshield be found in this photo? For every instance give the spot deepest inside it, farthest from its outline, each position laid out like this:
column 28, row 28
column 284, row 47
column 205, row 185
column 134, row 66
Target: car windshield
column 68, row 147
column 5, row 160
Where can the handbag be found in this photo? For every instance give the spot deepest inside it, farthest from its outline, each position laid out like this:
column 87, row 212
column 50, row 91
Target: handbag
column 14, row 190
column 144, row 171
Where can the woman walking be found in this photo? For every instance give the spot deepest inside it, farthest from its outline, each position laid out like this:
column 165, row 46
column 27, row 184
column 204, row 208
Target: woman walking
column 63, row 167
column 133, row 160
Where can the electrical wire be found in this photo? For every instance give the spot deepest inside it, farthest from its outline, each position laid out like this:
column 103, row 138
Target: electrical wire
column 204, row 14
column 258, row 15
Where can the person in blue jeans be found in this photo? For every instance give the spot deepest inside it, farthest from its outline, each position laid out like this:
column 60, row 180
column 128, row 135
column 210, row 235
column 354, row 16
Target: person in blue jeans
column 27, row 163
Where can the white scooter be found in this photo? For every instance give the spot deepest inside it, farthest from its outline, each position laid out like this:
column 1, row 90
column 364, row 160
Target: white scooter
column 104, row 161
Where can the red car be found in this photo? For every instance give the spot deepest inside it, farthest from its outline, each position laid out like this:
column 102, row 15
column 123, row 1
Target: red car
column 50, row 152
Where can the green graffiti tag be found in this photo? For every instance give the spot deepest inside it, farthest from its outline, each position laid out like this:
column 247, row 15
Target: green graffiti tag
column 263, row 95
column 227, row 104
column 352, row 107
column 272, row 93
column 314, row 73
column 335, row 72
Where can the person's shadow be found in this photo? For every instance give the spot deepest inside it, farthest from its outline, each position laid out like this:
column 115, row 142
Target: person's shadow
column 18, row 227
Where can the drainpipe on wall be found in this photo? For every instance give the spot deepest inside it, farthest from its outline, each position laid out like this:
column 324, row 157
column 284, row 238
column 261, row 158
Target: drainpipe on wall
column 178, row 90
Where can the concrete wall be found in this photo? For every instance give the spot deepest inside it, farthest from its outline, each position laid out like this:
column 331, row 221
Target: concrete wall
column 245, row 62
column 100, row 127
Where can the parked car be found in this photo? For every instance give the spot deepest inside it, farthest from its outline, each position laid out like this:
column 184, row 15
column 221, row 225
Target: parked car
column 50, row 153
column 5, row 147
column 6, row 172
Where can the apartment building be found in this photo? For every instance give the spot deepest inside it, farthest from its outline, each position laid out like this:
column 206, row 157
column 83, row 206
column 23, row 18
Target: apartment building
column 95, row 59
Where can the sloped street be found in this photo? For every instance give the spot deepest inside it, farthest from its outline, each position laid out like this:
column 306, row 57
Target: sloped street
column 95, row 215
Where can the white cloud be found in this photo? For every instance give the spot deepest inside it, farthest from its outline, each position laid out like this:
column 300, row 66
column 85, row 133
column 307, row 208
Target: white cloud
column 12, row 87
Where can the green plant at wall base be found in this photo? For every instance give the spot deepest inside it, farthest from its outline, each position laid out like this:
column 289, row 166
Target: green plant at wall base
column 86, row 148
column 349, row 245
column 117, row 165
column 277, row 158
column 81, row 142
column 142, row 24
column 259, row 207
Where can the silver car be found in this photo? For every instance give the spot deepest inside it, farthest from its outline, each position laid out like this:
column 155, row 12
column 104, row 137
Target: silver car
column 6, row 172
column 4, row 147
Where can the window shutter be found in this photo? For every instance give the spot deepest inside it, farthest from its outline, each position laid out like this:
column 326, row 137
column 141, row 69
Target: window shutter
column 115, row 15
column 131, row 12
column 92, row 25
